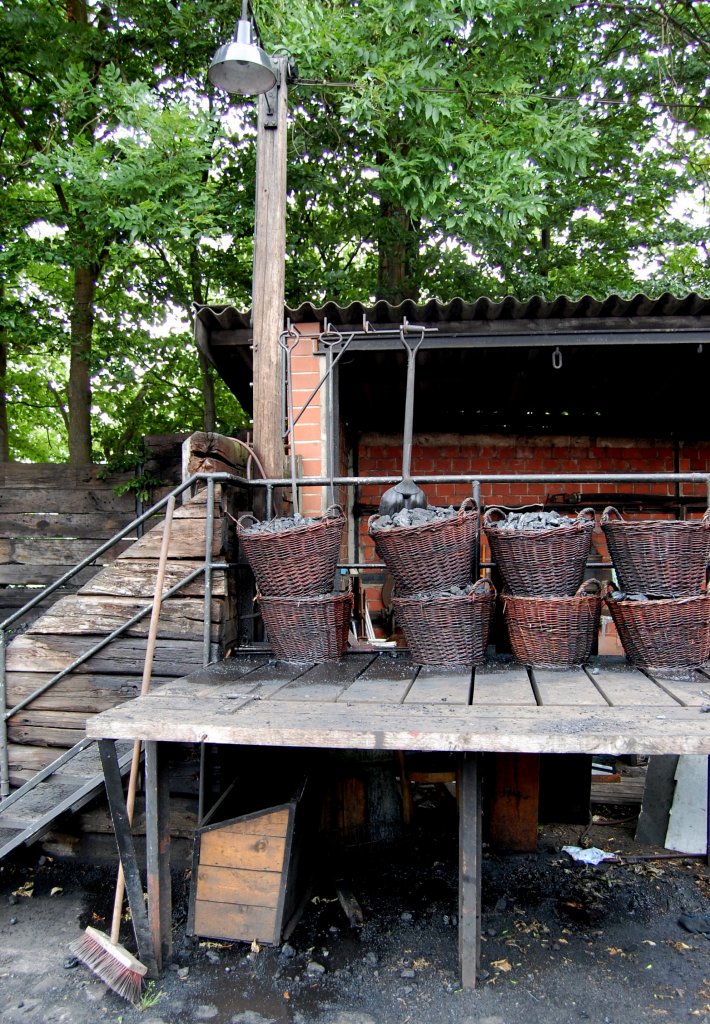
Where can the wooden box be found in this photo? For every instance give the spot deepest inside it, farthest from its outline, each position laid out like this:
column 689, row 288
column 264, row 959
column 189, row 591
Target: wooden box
column 251, row 873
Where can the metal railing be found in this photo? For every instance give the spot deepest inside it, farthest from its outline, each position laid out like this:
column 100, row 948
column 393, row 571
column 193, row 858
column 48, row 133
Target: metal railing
column 207, row 568
column 474, row 481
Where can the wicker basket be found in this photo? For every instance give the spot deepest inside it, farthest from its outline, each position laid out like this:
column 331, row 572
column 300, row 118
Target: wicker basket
column 296, row 562
column 447, row 630
column 670, row 633
column 307, row 628
column 432, row 556
column 541, row 563
column 659, row 557
column 552, row 631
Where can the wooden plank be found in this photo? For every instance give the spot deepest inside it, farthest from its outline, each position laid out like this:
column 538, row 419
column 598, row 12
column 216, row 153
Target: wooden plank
column 76, row 692
column 324, row 682
column 625, row 685
column 43, row 575
column 97, row 525
column 233, row 922
column 66, row 501
column 56, row 551
column 385, row 680
column 259, row 823
column 567, row 687
column 157, row 835
column 44, row 736
column 470, row 858
column 231, row 677
column 187, row 540
column 259, row 852
column 440, row 685
column 135, row 577
column 513, row 802
column 180, row 617
column 219, row 884
column 692, row 690
column 507, row 685
column 172, row 657
column 60, row 476
column 553, row 729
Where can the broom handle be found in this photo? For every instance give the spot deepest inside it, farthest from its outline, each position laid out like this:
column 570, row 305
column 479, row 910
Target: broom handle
column 145, row 685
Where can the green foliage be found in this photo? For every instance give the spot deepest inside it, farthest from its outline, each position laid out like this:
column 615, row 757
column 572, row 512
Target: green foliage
column 470, row 147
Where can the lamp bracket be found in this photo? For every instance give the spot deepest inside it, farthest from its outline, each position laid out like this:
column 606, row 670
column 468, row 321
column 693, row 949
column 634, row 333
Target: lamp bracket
column 271, row 118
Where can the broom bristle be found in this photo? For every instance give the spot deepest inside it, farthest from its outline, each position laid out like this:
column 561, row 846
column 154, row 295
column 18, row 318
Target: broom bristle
column 110, row 962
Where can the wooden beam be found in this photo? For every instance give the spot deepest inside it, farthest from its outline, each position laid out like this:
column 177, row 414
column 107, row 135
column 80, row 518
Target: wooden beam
column 127, row 853
column 157, row 825
column 268, row 282
column 470, row 855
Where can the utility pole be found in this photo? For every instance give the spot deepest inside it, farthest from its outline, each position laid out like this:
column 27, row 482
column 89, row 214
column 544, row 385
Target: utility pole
column 268, row 282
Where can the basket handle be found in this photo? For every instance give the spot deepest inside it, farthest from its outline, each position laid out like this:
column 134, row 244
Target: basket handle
column 468, row 504
column 585, row 516
column 610, row 511
column 590, row 588
column 490, row 521
column 492, row 516
column 483, row 585
column 706, row 518
column 334, row 512
column 247, row 515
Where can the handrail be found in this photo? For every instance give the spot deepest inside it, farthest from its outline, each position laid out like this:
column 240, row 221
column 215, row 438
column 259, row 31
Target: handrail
column 206, row 568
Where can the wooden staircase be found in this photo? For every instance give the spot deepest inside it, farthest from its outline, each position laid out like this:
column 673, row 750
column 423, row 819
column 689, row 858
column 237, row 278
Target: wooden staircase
column 64, row 786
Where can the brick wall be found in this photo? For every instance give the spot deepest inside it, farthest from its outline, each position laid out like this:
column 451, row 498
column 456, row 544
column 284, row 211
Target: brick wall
column 309, row 433
column 450, row 454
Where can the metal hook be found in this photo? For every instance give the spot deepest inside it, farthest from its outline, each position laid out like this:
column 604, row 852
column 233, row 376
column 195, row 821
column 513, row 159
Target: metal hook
column 557, row 358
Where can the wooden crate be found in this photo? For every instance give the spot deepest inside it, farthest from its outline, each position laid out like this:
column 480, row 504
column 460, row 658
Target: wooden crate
column 251, row 873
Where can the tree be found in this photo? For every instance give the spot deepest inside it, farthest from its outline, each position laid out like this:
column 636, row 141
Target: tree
column 118, row 172
column 495, row 145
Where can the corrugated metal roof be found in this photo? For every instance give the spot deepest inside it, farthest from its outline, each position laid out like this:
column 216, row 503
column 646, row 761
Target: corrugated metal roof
column 228, row 318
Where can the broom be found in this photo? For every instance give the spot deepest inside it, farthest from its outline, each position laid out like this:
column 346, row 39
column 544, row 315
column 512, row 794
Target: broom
column 101, row 953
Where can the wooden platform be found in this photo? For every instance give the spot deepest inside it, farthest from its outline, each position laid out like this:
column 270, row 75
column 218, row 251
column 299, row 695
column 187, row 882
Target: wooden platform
column 381, row 701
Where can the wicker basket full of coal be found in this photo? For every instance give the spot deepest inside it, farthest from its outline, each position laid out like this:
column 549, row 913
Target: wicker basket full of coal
column 293, row 556
column 659, row 557
column 427, row 549
column 449, row 627
column 554, row 632
column 668, row 635
column 540, row 554
column 305, row 629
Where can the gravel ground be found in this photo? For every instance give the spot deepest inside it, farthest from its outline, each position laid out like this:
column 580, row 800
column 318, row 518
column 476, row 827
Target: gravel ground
column 562, row 942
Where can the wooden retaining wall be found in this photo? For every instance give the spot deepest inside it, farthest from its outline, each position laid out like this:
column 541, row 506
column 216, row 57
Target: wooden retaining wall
column 107, row 597
column 52, row 517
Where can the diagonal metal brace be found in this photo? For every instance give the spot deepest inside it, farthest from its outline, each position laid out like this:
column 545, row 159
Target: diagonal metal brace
column 127, row 853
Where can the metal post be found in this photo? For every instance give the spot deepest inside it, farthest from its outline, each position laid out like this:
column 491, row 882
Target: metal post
column 476, row 494
column 209, row 544
column 4, row 756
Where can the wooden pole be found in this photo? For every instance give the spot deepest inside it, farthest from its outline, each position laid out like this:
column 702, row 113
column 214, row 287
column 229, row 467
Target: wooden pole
column 268, row 289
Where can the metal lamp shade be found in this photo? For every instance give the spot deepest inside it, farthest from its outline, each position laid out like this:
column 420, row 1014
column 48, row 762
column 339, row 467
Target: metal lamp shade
column 240, row 66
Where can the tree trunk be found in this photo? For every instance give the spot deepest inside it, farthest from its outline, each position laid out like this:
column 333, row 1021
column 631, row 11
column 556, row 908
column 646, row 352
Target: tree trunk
column 209, row 415
column 396, row 244
column 82, row 324
column 4, row 440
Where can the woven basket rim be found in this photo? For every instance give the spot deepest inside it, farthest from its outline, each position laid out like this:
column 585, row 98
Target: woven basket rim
column 461, row 513
column 335, row 595
column 606, row 520
column 547, row 598
column 429, row 599
column 655, row 601
column 327, row 519
column 577, row 526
